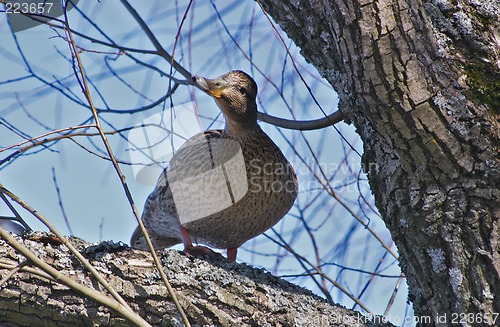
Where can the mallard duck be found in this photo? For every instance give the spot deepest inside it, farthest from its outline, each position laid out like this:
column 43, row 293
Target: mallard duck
column 222, row 187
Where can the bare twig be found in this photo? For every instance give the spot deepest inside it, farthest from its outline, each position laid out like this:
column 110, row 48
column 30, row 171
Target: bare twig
column 330, row 190
column 42, row 140
column 85, row 89
column 18, row 217
column 372, row 277
column 302, row 125
column 12, row 272
column 394, row 293
column 33, row 271
column 100, row 297
column 304, row 259
column 281, row 122
column 64, row 240
column 44, row 135
column 60, row 202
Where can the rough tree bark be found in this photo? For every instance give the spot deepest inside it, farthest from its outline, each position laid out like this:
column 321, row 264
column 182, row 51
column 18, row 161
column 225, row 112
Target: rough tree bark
column 213, row 292
column 420, row 81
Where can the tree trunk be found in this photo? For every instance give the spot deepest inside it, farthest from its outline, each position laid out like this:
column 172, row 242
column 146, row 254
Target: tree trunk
column 420, row 81
column 213, row 292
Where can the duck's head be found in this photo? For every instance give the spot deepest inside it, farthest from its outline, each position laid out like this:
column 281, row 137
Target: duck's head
column 235, row 93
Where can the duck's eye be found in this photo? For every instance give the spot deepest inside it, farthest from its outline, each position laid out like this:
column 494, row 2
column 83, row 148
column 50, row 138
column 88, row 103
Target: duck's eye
column 243, row 90
column 217, row 84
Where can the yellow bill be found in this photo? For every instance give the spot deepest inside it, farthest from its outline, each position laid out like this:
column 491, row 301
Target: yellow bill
column 217, row 93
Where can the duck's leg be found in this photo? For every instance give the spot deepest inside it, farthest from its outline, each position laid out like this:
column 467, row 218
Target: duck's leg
column 193, row 250
column 231, row 254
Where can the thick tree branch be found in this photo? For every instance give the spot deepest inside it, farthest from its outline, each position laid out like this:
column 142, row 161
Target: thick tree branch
column 212, row 291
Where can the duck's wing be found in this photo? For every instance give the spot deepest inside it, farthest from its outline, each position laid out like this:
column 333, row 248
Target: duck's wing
column 160, row 213
column 197, row 153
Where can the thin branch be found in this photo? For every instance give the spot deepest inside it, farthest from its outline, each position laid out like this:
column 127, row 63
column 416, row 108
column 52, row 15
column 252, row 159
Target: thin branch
column 125, row 311
column 143, row 108
column 302, row 125
column 372, row 277
column 304, row 259
column 394, row 293
column 85, row 89
column 45, row 135
column 53, row 139
column 160, row 50
column 281, row 122
column 315, row 247
column 65, row 241
column 34, row 271
column 301, row 261
column 58, row 192
column 18, row 217
column 330, row 190
column 12, row 272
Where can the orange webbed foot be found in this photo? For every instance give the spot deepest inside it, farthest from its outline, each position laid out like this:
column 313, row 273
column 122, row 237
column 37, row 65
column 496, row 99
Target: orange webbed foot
column 195, row 251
